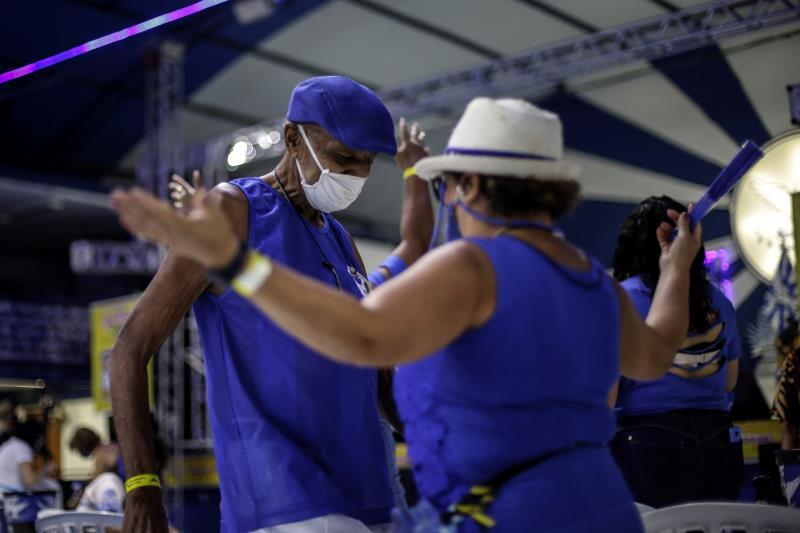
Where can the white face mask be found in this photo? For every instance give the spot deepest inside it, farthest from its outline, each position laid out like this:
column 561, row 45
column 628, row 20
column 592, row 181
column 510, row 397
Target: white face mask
column 332, row 191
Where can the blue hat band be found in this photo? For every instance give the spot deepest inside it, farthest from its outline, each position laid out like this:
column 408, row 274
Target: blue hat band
column 495, row 153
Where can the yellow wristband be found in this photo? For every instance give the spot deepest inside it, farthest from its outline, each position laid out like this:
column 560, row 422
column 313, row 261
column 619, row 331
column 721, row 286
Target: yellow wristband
column 143, row 480
column 407, row 173
column 257, row 269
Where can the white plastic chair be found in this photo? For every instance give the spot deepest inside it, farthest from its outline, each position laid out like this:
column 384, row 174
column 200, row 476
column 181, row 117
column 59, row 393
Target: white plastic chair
column 77, row 522
column 642, row 508
column 715, row 517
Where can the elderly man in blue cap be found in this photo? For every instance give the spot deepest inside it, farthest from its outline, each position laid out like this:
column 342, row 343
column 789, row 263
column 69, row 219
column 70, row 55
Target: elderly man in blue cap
column 297, row 437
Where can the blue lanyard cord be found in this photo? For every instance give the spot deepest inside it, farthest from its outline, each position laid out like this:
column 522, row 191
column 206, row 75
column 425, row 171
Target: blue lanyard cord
column 438, row 191
column 325, row 261
column 508, row 223
column 437, row 228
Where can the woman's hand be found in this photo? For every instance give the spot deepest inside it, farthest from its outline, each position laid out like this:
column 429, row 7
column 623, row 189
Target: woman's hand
column 412, row 146
column 204, row 235
column 678, row 253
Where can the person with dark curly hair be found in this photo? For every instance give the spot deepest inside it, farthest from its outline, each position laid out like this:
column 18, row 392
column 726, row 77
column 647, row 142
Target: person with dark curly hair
column 675, row 440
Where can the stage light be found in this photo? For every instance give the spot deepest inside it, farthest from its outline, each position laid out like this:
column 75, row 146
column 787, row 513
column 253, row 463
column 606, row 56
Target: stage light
column 264, row 140
column 240, row 153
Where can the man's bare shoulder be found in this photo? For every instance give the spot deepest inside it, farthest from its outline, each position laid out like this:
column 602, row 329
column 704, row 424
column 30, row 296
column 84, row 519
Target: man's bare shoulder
column 234, row 202
column 229, row 196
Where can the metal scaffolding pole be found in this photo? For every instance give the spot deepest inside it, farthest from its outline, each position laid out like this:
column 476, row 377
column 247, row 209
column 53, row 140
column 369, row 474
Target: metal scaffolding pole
column 173, row 373
column 163, row 155
column 164, row 152
column 199, row 428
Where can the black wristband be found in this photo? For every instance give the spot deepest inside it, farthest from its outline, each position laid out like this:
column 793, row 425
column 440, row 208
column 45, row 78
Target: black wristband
column 224, row 276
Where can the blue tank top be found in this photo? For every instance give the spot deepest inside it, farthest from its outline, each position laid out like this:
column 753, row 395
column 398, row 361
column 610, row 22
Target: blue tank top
column 296, row 435
column 673, row 392
column 534, row 379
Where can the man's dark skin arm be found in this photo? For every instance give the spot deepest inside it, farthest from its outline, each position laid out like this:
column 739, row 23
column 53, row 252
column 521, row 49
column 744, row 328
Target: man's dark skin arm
column 173, row 290
column 416, row 221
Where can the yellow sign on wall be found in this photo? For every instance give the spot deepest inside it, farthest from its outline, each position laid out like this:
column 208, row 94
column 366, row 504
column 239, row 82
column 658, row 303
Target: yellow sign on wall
column 106, row 318
column 756, row 432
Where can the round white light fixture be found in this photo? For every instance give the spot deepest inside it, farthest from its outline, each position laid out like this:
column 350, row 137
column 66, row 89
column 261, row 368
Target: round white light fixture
column 264, row 140
column 240, row 153
column 761, row 209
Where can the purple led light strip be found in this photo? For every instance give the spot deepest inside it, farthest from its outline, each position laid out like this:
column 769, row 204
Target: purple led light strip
column 111, row 38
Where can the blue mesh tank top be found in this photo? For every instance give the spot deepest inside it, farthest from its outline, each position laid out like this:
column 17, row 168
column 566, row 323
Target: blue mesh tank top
column 534, row 379
column 296, row 435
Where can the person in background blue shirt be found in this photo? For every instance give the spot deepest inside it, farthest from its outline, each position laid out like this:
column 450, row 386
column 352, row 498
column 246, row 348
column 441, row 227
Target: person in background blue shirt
column 504, row 399
column 675, row 440
column 297, row 437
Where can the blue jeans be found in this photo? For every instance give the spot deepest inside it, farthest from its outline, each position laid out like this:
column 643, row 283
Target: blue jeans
column 679, row 456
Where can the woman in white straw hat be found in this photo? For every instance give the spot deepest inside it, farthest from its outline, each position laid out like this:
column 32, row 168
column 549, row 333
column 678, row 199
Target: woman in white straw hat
column 508, row 340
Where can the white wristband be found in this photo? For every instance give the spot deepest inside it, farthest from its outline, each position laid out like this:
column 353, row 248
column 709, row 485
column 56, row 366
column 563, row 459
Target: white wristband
column 257, row 269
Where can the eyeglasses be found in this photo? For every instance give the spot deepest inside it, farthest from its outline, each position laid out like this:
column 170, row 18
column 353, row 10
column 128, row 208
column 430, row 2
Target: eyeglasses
column 440, row 185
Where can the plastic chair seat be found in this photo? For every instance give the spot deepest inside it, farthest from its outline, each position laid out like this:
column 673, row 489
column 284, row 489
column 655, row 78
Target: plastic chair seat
column 715, row 517
column 77, row 522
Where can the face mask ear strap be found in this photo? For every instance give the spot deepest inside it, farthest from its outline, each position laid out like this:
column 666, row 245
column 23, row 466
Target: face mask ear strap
column 310, row 149
column 437, row 228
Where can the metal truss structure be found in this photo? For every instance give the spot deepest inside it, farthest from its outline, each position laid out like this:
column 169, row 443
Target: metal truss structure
column 545, row 67
column 549, row 65
column 164, row 154
column 164, row 97
column 181, row 406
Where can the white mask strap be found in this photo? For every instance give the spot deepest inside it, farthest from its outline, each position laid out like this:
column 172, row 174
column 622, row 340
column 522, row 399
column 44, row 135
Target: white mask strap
column 308, row 144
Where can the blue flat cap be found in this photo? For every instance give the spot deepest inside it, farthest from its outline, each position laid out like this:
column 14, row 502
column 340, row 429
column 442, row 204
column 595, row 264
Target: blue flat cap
column 350, row 112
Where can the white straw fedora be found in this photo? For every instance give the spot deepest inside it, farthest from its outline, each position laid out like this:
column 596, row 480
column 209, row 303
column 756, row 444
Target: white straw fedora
column 504, row 137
